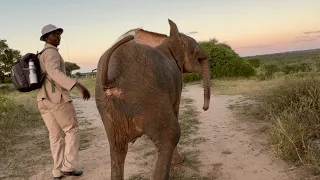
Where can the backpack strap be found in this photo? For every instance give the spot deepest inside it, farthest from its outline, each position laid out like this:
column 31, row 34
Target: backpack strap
column 39, row 53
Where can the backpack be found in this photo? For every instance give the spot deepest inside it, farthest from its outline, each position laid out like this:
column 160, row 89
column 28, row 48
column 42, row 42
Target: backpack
column 20, row 73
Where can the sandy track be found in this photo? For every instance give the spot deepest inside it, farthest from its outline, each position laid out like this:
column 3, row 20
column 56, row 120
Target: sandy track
column 232, row 148
column 231, row 151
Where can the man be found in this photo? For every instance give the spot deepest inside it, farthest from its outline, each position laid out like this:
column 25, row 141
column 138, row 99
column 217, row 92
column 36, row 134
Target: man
column 55, row 105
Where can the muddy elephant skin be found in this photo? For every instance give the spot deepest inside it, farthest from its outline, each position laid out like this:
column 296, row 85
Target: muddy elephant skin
column 138, row 90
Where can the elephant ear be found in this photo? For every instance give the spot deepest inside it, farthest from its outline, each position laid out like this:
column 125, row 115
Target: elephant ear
column 152, row 39
column 174, row 32
column 142, row 36
column 177, row 45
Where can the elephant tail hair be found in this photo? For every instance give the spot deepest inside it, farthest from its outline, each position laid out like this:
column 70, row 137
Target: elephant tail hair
column 105, row 61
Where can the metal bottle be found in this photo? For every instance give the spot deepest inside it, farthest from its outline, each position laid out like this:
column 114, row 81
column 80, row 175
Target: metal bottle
column 32, row 73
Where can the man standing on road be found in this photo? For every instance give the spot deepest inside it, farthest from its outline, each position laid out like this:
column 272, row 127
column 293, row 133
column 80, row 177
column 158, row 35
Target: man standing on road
column 56, row 107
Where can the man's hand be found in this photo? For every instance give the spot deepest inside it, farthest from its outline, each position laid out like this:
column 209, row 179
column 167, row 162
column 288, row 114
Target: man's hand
column 83, row 90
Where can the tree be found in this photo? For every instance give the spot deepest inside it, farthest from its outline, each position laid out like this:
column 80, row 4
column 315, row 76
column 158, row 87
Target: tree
column 224, row 61
column 8, row 56
column 71, row 67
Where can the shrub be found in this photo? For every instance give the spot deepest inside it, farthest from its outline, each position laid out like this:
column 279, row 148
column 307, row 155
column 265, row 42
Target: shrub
column 270, row 69
column 292, row 110
column 261, row 76
column 191, row 77
column 224, row 62
column 255, row 62
column 296, row 67
column 7, row 80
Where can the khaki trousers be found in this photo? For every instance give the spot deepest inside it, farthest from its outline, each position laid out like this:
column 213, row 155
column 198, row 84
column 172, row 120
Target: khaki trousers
column 61, row 118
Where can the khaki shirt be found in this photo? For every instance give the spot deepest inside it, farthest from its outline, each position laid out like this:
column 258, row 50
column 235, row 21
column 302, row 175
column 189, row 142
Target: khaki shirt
column 57, row 84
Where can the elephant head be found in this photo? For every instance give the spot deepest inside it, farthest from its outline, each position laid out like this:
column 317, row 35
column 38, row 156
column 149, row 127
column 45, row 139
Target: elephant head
column 190, row 57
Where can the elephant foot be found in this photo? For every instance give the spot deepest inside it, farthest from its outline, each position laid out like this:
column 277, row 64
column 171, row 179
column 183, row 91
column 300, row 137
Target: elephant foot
column 177, row 158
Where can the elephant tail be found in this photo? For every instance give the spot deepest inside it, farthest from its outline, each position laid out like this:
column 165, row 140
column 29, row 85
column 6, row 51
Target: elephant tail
column 105, row 60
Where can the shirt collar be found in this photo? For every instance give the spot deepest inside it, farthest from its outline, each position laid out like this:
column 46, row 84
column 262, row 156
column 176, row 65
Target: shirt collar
column 49, row 45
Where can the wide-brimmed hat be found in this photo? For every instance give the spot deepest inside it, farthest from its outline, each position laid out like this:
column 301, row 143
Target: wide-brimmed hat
column 48, row 29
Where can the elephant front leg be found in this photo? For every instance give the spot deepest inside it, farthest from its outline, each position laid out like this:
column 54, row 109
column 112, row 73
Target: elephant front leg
column 118, row 154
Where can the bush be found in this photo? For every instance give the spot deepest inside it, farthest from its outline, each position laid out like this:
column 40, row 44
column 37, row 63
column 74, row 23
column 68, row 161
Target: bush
column 7, row 80
column 191, row 77
column 296, row 67
column 292, row 110
column 261, row 76
column 255, row 62
column 270, row 69
column 224, row 62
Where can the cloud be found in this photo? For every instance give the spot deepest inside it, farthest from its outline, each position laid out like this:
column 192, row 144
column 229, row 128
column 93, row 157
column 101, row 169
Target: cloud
column 193, row 32
column 311, row 32
column 302, row 37
column 302, row 40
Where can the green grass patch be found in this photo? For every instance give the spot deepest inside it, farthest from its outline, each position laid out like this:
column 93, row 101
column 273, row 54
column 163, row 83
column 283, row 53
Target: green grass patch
column 89, row 83
column 16, row 118
column 21, row 133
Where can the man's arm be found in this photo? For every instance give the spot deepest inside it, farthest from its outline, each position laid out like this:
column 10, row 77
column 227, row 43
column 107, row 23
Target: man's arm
column 52, row 61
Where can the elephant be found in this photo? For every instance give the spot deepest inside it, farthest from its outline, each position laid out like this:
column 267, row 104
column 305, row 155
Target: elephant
column 138, row 91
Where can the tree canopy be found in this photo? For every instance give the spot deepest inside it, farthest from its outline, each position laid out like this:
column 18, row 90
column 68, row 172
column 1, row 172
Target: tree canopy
column 224, row 61
column 8, row 56
column 71, row 67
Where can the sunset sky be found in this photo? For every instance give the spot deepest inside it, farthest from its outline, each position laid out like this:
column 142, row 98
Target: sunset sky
column 250, row 27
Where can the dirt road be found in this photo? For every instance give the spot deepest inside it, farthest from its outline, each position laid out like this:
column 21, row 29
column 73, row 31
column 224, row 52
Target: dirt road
column 230, row 151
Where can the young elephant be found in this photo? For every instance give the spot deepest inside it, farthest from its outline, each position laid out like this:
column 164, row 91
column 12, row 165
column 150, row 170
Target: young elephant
column 138, row 91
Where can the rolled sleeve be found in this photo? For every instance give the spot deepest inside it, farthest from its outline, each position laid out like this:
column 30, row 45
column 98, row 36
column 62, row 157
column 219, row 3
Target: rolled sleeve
column 53, row 69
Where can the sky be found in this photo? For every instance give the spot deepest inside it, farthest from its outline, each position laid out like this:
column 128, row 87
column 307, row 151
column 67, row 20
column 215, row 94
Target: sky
column 250, row 27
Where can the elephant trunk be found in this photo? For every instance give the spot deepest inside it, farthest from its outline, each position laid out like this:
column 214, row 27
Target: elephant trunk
column 206, row 82
column 105, row 61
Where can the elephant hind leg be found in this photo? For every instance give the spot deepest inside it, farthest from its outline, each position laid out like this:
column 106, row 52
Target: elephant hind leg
column 165, row 140
column 118, row 154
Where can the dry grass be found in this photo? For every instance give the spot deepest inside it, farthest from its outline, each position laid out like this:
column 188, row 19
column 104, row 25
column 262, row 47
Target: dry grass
column 292, row 109
column 242, row 86
column 289, row 109
column 253, row 85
